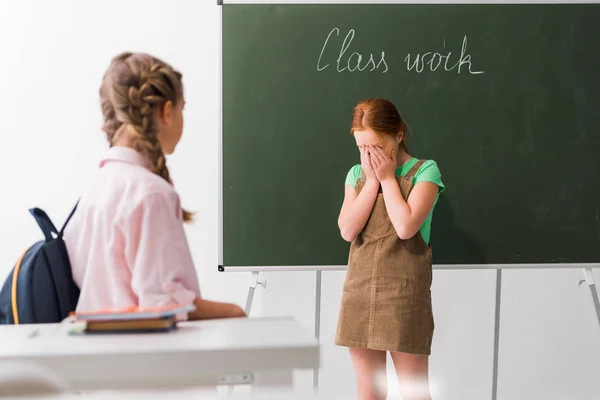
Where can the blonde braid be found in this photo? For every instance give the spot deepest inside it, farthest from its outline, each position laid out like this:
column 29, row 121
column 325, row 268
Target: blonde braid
column 140, row 84
column 111, row 124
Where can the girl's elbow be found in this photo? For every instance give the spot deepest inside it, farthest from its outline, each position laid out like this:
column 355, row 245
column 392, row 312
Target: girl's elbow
column 404, row 236
column 406, row 232
column 347, row 235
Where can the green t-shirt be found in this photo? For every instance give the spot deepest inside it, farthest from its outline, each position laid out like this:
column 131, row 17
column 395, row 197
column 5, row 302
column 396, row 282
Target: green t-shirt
column 428, row 172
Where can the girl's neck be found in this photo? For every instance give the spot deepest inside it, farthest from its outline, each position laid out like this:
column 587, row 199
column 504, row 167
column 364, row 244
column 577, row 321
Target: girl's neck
column 402, row 158
column 123, row 136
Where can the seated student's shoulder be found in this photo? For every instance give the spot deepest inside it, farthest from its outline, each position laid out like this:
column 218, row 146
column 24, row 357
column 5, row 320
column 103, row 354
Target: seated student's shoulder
column 154, row 183
column 147, row 191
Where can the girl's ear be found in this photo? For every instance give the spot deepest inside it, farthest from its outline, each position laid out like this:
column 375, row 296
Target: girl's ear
column 399, row 137
column 166, row 112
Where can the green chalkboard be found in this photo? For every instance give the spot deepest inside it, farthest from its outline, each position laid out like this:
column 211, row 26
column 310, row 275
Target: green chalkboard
column 505, row 97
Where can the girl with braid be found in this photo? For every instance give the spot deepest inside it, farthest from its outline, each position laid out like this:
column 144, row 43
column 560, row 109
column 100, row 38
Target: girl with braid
column 126, row 241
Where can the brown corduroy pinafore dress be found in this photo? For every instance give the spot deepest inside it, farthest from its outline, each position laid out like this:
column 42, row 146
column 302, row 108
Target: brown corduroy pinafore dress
column 386, row 301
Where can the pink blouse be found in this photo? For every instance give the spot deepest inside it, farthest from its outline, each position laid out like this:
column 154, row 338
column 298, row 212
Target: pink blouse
column 126, row 241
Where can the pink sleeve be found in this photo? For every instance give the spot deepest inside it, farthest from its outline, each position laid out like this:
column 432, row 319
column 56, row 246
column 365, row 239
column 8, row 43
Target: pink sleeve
column 157, row 253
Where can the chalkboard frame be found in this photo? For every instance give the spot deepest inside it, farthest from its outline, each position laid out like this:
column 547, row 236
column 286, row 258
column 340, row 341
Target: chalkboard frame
column 255, row 269
column 586, row 267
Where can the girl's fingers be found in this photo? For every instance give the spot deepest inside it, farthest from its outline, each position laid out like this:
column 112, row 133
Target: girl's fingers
column 364, row 159
column 376, row 154
column 374, row 160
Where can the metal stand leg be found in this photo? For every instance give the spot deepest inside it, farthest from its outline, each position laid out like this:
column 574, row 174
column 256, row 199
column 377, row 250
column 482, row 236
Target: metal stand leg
column 496, row 334
column 317, row 326
column 253, row 283
column 589, row 280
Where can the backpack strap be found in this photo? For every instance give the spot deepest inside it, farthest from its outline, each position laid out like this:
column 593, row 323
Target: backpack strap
column 62, row 230
column 13, row 291
column 44, row 222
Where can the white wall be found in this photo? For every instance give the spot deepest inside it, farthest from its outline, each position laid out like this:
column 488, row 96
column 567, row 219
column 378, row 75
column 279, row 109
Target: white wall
column 53, row 54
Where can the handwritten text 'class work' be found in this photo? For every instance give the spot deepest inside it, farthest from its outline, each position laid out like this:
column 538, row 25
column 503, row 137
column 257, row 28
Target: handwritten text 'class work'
column 420, row 62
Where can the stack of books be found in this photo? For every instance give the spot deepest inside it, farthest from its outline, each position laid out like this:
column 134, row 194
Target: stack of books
column 129, row 320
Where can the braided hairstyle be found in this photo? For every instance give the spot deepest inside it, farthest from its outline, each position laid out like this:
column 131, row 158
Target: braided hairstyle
column 134, row 86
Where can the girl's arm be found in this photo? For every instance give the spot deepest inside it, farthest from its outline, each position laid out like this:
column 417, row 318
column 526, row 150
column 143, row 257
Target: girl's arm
column 357, row 209
column 162, row 270
column 206, row 309
column 406, row 216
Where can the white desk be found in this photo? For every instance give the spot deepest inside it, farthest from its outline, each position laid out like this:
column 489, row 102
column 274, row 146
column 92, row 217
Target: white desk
column 185, row 395
column 260, row 351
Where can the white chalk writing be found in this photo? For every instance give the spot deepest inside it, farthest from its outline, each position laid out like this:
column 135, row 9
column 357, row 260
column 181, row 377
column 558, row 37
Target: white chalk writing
column 417, row 62
column 434, row 61
column 354, row 62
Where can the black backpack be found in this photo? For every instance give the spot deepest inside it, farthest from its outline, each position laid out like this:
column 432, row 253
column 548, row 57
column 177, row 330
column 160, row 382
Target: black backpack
column 40, row 288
